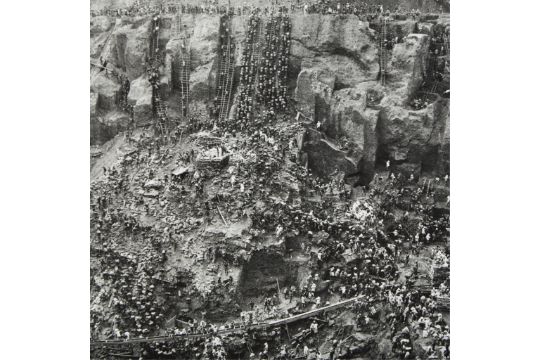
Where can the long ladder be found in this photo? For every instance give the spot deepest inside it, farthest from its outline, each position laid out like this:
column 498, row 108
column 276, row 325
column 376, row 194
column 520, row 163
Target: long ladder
column 175, row 27
column 221, row 74
column 161, row 111
column 259, row 43
column 159, row 107
column 230, row 79
column 382, row 56
column 447, row 44
column 183, row 65
column 269, row 48
column 284, row 50
column 276, row 81
column 226, row 80
column 184, row 73
column 248, row 58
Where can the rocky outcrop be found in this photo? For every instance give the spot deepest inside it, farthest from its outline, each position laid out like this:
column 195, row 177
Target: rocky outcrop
column 313, row 85
column 409, row 136
column 105, row 127
column 131, row 46
column 444, row 154
column 100, row 24
column 352, row 120
column 107, row 89
column 203, row 33
column 334, row 65
column 381, row 123
column 342, row 44
column 116, row 119
column 406, row 67
column 338, row 68
column 325, row 157
column 140, row 96
column 339, row 35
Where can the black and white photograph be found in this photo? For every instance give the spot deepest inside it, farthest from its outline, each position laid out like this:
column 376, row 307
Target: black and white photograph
column 270, row 179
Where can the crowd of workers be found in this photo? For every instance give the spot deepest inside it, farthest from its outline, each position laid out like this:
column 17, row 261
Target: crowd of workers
column 142, row 215
column 264, row 68
column 325, row 7
column 225, row 74
column 377, row 244
column 439, row 49
column 131, row 278
column 154, row 60
column 181, row 69
column 248, row 70
column 271, row 87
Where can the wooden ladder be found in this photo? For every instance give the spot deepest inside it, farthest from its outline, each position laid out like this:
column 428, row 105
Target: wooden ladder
column 176, row 27
column 184, row 69
column 447, row 44
column 258, row 43
column 226, row 78
column 383, row 52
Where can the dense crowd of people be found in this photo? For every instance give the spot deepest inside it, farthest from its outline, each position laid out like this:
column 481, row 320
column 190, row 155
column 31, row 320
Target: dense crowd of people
column 371, row 246
column 378, row 243
column 248, row 70
column 271, row 87
column 225, row 76
column 154, row 60
column 325, row 7
column 439, row 49
column 264, row 68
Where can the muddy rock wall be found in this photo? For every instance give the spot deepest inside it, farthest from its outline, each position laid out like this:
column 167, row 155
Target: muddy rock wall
column 333, row 77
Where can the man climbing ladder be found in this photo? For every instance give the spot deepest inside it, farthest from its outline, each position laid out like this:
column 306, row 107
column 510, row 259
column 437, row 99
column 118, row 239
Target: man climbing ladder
column 382, row 52
column 225, row 78
column 184, row 73
column 160, row 109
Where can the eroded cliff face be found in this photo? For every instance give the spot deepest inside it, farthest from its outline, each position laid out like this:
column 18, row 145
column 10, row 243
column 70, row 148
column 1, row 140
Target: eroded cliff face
column 338, row 86
column 333, row 77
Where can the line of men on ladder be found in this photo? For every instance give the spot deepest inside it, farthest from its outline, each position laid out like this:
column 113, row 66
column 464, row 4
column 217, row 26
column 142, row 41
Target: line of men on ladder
column 224, row 77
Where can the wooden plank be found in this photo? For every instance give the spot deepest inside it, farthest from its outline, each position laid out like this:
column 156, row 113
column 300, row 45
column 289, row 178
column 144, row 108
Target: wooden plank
column 256, row 326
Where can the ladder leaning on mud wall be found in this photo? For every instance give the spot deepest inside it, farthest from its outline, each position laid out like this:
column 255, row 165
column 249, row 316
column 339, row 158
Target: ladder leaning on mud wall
column 159, row 106
column 184, row 73
column 258, row 43
column 182, row 65
column 226, row 73
column 382, row 50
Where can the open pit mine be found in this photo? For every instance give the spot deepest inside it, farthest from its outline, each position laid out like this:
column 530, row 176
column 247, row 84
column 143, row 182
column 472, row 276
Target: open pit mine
column 270, row 179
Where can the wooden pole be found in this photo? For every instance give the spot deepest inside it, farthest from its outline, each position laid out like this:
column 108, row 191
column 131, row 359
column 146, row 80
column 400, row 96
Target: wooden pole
column 222, row 218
